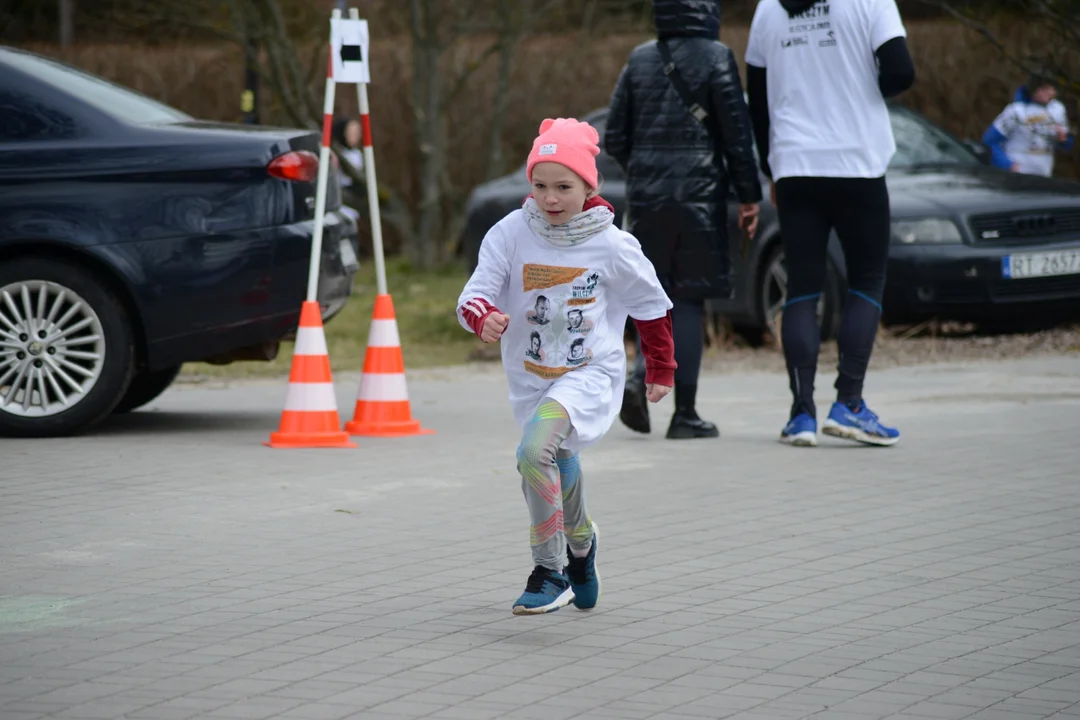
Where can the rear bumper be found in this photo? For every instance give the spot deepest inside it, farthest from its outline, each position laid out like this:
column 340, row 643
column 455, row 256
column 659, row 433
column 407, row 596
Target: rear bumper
column 290, row 277
column 271, row 315
column 335, row 271
column 962, row 282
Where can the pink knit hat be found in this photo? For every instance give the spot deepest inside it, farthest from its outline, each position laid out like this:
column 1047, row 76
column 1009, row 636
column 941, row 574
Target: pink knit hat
column 570, row 143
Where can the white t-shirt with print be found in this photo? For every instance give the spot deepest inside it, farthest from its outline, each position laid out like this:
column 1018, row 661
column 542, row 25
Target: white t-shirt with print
column 568, row 307
column 827, row 115
column 1032, row 132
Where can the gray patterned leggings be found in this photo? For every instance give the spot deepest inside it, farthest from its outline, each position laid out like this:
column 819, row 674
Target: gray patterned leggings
column 552, row 482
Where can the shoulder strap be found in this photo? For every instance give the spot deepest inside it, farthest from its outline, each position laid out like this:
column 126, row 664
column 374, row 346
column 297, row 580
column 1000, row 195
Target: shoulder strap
column 696, row 110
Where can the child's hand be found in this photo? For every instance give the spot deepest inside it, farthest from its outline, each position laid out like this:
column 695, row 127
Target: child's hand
column 494, row 327
column 655, row 393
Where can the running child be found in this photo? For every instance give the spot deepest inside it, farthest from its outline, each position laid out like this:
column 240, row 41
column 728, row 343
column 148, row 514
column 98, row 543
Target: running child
column 562, row 246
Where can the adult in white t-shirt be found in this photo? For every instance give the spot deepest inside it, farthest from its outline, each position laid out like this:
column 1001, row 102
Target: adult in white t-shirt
column 818, row 73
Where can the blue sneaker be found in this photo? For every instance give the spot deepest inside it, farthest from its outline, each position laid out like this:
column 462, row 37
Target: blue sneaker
column 584, row 579
column 862, row 426
column 546, row 591
column 801, row 431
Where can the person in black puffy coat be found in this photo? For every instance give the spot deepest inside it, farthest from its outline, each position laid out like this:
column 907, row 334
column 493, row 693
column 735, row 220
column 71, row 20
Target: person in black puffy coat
column 677, row 182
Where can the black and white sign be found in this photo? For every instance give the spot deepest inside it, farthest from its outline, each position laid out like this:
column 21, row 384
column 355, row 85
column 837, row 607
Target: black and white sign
column 350, row 43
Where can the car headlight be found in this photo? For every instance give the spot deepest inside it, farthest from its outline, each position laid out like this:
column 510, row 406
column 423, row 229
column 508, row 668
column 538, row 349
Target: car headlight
column 927, row 230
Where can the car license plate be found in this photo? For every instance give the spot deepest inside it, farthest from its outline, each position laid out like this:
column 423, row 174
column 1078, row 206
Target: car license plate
column 1043, row 264
column 348, row 256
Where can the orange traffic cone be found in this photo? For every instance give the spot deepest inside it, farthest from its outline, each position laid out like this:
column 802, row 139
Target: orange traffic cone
column 310, row 418
column 382, row 405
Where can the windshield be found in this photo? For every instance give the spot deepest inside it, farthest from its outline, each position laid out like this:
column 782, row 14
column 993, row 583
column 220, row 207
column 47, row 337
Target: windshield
column 123, row 104
column 920, row 143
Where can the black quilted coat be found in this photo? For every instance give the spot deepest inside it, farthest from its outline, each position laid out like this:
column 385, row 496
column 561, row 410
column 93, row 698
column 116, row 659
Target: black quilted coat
column 677, row 181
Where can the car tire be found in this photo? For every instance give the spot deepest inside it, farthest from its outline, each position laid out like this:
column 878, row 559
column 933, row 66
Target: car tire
column 772, row 292
column 66, row 341
column 146, row 387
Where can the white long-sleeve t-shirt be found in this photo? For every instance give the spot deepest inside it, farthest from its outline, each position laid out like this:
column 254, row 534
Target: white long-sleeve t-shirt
column 568, row 306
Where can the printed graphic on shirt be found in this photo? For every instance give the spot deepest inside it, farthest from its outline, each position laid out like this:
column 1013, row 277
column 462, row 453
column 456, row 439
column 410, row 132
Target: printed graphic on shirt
column 579, row 354
column 542, row 277
column 583, row 294
column 547, row 373
column 1041, row 128
column 535, row 350
column 566, row 292
column 541, row 312
column 817, row 10
column 811, row 26
column 577, row 323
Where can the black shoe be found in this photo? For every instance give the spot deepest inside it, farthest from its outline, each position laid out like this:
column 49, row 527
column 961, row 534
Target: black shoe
column 686, row 427
column 635, row 407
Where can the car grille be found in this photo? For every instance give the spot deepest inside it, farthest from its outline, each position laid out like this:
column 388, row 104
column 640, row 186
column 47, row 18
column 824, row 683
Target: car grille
column 1025, row 227
column 1063, row 286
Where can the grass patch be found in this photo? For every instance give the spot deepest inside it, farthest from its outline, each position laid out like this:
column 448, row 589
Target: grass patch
column 424, row 303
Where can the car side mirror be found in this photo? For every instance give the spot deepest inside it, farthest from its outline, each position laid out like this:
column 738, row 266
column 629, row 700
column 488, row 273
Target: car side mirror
column 979, row 150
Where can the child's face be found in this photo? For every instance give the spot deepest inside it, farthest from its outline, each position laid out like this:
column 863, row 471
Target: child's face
column 1042, row 95
column 559, row 191
column 352, row 133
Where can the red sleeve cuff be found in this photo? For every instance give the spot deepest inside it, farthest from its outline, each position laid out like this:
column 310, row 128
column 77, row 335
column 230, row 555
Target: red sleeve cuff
column 475, row 312
column 658, row 346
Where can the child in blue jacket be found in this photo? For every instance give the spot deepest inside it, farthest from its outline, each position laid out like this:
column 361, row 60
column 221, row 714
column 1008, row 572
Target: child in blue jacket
column 1025, row 135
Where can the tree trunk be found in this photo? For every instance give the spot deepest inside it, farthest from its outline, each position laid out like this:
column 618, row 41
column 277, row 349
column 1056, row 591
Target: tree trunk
column 422, row 247
column 67, row 22
column 510, row 37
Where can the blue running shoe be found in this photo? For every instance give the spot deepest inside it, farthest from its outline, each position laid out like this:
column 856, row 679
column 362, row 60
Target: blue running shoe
column 584, row 579
column 546, row 591
column 801, row 431
column 862, row 426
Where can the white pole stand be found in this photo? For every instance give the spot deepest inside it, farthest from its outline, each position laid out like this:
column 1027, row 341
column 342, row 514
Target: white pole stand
column 369, row 175
column 324, row 170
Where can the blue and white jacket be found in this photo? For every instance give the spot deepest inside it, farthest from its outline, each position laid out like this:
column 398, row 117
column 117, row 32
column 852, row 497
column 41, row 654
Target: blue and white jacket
column 1025, row 135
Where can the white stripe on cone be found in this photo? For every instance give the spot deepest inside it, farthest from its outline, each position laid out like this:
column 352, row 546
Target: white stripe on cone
column 310, row 341
column 383, row 387
column 384, row 333
column 311, row 397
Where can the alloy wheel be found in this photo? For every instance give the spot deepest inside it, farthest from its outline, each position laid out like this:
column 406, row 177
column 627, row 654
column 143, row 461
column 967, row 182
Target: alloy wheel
column 52, row 348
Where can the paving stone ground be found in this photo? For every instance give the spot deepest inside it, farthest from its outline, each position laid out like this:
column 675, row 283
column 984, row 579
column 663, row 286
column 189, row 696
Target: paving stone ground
column 170, row 566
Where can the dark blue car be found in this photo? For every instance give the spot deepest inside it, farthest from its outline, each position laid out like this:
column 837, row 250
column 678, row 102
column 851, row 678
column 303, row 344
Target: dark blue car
column 134, row 238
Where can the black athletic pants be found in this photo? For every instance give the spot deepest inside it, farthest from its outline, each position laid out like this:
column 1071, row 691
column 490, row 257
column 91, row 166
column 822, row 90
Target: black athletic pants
column 688, row 331
column 809, row 208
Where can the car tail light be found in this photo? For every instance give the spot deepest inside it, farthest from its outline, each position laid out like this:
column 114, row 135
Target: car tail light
column 297, row 165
